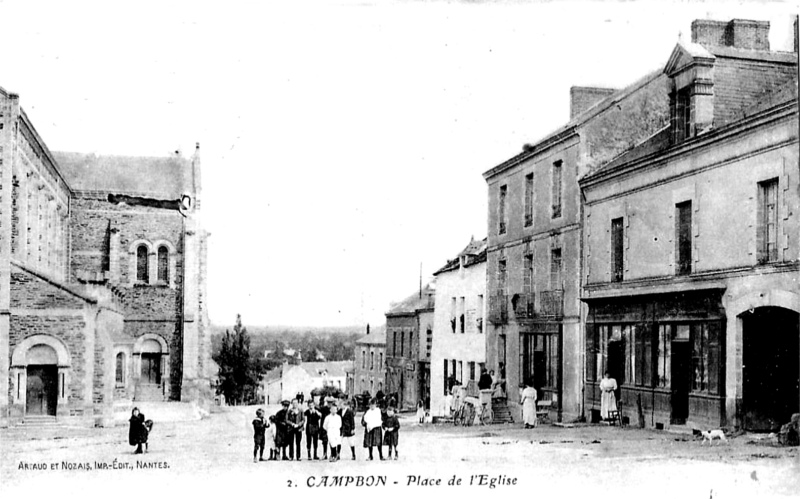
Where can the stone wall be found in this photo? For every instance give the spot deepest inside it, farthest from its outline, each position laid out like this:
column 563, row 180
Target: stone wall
column 151, row 307
column 70, row 329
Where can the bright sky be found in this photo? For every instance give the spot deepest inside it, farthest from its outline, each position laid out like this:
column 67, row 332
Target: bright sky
column 343, row 142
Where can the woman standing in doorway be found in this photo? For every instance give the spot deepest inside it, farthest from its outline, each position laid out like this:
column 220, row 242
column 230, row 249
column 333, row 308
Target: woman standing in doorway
column 528, row 401
column 608, row 401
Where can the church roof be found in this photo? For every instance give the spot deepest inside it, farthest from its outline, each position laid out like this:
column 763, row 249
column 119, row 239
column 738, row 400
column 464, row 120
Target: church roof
column 156, row 177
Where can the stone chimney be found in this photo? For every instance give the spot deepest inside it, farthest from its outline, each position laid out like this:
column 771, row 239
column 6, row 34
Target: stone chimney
column 582, row 98
column 196, row 184
column 737, row 33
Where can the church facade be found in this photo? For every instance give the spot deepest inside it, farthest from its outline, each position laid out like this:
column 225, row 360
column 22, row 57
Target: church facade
column 102, row 279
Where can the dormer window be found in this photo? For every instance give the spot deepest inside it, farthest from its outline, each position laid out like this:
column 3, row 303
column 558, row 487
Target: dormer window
column 683, row 116
column 691, row 99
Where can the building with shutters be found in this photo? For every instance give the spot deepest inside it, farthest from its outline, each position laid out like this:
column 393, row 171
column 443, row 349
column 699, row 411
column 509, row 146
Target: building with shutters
column 534, row 317
column 409, row 326
column 691, row 244
column 369, row 372
column 459, row 339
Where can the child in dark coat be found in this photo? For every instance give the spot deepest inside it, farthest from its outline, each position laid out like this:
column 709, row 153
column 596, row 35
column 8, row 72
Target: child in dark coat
column 391, row 427
column 313, row 425
column 260, row 426
column 349, row 428
column 282, row 434
column 137, row 434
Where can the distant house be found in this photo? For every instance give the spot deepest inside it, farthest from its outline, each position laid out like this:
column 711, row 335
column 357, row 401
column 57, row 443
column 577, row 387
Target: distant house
column 350, row 380
column 271, row 386
column 409, row 326
column 307, row 376
column 370, row 363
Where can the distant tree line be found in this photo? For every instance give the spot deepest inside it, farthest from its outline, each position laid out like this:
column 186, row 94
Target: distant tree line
column 242, row 358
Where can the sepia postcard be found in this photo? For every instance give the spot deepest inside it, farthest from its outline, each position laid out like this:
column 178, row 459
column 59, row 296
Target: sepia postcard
column 392, row 247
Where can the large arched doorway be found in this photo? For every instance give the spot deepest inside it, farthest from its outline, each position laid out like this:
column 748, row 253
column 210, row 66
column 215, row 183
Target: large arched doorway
column 770, row 367
column 41, row 390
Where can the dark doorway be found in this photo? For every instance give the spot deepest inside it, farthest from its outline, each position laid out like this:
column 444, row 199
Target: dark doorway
column 501, row 359
column 41, row 394
column 770, row 368
column 151, row 368
column 424, row 384
column 616, row 364
column 681, row 367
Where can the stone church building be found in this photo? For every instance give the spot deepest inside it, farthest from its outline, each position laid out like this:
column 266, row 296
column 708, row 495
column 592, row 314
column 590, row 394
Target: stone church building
column 102, row 279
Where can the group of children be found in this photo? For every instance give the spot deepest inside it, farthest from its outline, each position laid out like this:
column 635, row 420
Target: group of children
column 329, row 425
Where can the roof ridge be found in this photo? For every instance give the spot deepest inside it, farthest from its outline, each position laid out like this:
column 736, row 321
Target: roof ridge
column 54, row 282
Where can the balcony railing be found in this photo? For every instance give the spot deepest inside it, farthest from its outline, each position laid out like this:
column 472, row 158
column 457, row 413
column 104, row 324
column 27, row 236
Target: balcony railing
column 524, row 305
column 551, row 303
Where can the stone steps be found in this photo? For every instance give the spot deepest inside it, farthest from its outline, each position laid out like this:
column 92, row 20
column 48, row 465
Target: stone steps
column 40, row 421
column 501, row 413
column 148, row 393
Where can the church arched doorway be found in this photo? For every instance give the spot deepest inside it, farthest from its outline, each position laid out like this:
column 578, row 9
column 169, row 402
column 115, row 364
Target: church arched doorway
column 41, row 390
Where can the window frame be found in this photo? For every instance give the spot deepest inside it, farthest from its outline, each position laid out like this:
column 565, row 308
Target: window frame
column 142, row 264
column 683, row 238
column 501, row 209
column 768, row 220
column 529, row 200
column 162, row 267
column 556, row 191
column 617, row 249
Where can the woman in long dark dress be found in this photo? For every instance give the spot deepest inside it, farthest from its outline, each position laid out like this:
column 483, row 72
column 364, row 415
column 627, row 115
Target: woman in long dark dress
column 137, row 435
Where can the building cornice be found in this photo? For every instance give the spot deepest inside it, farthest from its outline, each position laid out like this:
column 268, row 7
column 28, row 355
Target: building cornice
column 713, row 279
column 537, row 149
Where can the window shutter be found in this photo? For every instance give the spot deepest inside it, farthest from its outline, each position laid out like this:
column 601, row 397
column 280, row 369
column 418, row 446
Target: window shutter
column 591, row 352
column 715, row 356
column 784, row 207
column 760, row 226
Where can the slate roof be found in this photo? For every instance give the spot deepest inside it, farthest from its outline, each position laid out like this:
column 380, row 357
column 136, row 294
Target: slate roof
column 746, row 82
column 474, row 253
column 334, row 369
column 600, row 107
column 157, row 177
column 272, row 375
column 376, row 337
column 414, row 302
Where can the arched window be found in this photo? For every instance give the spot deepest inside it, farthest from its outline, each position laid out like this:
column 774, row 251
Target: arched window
column 142, row 270
column 120, row 368
column 371, row 361
column 163, row 264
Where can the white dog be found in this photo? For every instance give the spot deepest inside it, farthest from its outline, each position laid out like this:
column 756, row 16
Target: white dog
column 712, row 435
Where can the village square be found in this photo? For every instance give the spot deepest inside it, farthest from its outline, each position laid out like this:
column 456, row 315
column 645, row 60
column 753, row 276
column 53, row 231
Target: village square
column 625, row 318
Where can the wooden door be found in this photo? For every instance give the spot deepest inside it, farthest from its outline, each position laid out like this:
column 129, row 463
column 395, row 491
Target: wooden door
column 151, row 368
column 41, row 394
